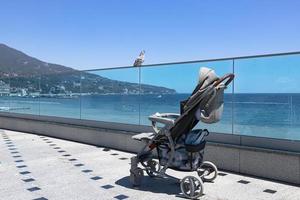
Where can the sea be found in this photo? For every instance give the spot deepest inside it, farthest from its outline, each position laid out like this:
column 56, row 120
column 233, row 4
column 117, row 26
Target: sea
column 263, row 115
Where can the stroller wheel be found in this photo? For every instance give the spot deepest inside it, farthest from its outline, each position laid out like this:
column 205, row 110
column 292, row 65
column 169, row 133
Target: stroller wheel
column 207, row 171
column 136, row 176
column 191, row 187
column 152, row 167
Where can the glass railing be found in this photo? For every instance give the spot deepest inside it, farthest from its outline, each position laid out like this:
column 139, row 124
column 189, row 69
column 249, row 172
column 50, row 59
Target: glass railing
column 178, row 82
column 111, row 95
column 263, row 101
column 267, row 97
column 60, row 94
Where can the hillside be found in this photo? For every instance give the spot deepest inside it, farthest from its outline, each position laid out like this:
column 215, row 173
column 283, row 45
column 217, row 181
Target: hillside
column 27, row 76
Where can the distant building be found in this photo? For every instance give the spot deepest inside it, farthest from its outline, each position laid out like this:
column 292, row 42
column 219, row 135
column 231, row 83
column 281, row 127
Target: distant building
column 4, row 89
column 23, row 92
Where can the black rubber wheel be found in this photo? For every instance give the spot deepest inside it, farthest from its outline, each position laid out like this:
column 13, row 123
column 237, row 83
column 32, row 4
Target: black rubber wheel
column 191, row 187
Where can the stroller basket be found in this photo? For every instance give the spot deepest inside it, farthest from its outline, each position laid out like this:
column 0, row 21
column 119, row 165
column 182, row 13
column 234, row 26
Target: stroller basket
column 189, row 151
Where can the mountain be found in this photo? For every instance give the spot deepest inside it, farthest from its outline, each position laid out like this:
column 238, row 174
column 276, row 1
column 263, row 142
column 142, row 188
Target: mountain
column 16, row 63
column 25, row 75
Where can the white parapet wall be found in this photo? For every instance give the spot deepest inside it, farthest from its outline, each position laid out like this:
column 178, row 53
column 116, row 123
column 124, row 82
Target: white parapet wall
column 238, row 154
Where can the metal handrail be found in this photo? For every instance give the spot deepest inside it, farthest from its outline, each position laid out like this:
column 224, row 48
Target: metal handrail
column 198, row 61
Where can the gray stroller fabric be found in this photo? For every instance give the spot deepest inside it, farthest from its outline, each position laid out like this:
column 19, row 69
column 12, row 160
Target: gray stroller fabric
column 212, row 111
column 205, row 104
column 195, row 137
column 206, row 76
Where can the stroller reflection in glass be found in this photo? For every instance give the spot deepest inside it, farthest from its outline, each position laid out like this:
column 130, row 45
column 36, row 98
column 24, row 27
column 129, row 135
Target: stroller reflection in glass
column 178, row 146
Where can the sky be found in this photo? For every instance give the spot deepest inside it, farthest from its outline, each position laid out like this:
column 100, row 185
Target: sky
column 95, row 34
column 88, row 34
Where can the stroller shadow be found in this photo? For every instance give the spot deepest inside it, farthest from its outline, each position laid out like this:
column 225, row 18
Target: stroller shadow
column 155, row 185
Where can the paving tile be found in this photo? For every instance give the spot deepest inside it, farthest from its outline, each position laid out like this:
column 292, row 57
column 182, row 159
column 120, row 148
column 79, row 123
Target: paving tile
column 21, row 166
column 270, row 191
column 19, row 161
column 121, row 197
column 72, row 159
column 66, row 155
column 61, row 151
column 96, row 178
column 79, row 165
column 243, row 181
column 86, row 170
column 33, row 189
column 107, row 186
column 28, row 180
column 25, row 172
column 106, row 149
column 18, row 156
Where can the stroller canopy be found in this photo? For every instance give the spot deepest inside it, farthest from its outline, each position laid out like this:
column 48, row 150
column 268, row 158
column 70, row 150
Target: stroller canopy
column 205, row 104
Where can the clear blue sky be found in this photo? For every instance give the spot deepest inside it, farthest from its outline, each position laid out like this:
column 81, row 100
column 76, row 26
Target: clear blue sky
column 89, row 34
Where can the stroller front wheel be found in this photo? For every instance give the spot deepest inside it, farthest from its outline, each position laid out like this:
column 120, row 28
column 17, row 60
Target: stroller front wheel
column 207, row 171
column 191, row 187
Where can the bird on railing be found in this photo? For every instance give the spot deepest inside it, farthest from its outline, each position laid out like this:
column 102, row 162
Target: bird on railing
column 140, row 59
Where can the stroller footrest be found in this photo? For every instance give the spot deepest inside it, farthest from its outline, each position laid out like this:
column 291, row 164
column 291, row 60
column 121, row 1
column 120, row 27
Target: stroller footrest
column 143, row 136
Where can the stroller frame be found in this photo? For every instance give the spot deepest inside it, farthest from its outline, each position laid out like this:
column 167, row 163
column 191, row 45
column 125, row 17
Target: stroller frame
column 191, row 187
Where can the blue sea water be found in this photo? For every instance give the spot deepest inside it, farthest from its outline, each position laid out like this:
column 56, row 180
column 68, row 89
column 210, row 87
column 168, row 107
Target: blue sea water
column 265, row 115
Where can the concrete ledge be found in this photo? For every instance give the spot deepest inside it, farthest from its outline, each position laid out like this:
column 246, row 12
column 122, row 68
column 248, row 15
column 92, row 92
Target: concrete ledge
column 276, row 166
column 131, row 129
column 95, row 136
column 266, row 163
column 226, row 158
column 271, row 164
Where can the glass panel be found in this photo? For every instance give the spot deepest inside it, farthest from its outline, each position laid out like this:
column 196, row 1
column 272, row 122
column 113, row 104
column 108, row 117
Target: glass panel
column 267, row 99
column 111, row 95
column 163, row 87
column 24, row 94
column 4, row 92
column 60, row 94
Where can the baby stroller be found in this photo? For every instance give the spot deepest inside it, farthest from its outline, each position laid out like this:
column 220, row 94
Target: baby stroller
column 178, row 146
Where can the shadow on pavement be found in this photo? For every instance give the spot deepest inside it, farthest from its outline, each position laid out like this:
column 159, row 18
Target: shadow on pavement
column 156, row 185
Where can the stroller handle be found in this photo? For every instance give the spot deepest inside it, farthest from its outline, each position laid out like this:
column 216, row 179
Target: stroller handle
column 228, row 77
